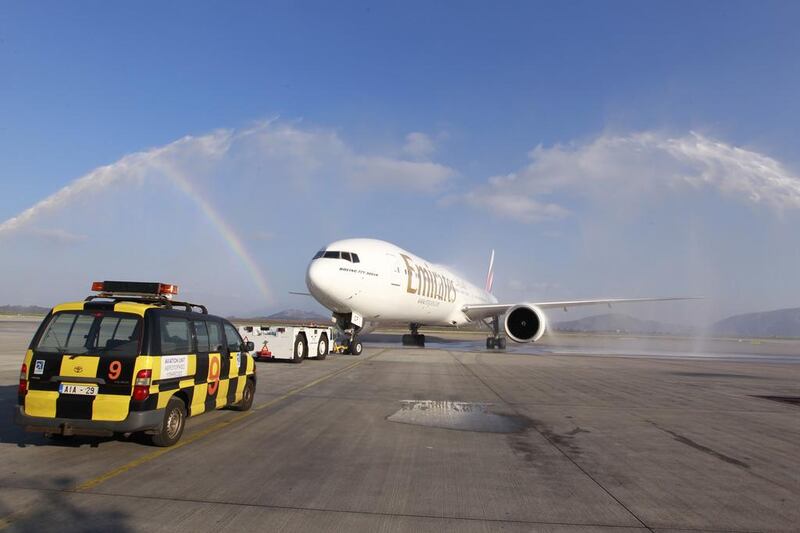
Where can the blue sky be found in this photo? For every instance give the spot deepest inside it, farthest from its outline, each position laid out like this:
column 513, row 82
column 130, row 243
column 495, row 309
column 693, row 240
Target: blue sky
column 667, row 157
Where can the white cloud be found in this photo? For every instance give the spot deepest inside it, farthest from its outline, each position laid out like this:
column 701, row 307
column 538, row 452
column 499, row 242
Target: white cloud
column 272, row 151
column 419, row 145
column 57, row 235
column 412, row 175
column 617, row 169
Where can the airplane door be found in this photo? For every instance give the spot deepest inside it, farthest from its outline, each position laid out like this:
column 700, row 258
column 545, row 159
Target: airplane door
column 397, row 274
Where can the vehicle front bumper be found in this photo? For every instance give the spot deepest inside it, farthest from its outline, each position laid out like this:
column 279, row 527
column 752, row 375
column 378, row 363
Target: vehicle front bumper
column 135, row 421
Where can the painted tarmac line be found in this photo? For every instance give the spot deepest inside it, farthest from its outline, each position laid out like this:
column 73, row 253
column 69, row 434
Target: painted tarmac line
column 7, row 520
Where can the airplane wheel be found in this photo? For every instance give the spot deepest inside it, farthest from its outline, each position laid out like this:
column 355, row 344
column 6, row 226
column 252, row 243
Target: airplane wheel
column 408, row 340
column 356, row 347
column 420, row 341
column 501, row 343
column 490, row 343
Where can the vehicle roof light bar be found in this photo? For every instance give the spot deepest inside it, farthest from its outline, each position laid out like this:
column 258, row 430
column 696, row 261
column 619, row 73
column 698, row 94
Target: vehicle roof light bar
column 134, row 288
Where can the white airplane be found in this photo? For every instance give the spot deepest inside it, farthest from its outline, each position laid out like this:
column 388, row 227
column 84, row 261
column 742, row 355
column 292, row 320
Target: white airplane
column 365, row 282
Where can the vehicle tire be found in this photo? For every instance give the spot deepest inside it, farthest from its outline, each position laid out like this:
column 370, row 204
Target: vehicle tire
column 356, row 347
column 420, row 341
column 247, row 397
column 408, row 340
column 172, row 426
column 490, row 343
column 322, row 348
column 501, row 343
column 300, row 350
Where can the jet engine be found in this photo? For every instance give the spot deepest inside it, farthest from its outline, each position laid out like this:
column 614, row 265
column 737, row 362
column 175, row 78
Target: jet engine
column 525, row 323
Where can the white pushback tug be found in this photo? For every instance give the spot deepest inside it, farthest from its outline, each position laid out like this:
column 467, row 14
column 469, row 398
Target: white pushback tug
column 288, row 342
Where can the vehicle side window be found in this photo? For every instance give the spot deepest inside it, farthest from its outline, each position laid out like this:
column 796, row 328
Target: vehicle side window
column 346, row 256
column 355, row 258
column 201, row 334
column 214, row 336
column 175, row 337
column 234, row 340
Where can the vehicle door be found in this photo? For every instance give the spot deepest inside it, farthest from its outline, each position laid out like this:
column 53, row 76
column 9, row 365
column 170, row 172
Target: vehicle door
column 211, row 363
column 174, row 350
column 237, row 363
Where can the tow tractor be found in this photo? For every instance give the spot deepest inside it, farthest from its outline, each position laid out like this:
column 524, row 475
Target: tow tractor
column 291, row 343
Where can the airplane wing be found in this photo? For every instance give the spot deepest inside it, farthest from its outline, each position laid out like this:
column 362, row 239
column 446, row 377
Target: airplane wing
column 479, row 311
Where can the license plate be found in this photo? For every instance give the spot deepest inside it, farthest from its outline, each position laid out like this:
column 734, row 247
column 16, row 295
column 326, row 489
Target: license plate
column 85, row 390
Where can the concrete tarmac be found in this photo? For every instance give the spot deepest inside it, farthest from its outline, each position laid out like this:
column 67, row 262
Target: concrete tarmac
column 446, row 438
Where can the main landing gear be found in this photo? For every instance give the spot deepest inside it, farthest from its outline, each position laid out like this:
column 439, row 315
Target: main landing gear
column 416, row 338
column 496, row 340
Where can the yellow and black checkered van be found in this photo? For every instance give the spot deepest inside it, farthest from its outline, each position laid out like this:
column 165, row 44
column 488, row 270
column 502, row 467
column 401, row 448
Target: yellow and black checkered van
column 131, row 360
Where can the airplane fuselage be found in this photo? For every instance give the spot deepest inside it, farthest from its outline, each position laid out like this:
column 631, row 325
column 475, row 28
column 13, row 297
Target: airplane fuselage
column 382, row 282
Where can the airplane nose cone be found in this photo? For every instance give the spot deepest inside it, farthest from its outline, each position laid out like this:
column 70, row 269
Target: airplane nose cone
column 321, row 283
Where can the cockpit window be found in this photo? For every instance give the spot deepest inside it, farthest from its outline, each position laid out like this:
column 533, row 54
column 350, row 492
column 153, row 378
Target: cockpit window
column 331, row 254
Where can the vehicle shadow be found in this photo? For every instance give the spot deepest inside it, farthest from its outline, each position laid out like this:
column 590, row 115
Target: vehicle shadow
column 58, row 508
column 11, row 433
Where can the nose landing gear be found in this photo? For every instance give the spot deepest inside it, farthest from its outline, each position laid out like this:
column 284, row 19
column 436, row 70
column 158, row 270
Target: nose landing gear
column 352, row 344
column 415, row 339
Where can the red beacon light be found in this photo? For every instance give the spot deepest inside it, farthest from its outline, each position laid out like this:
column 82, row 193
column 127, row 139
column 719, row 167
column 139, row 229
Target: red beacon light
column 134, row 288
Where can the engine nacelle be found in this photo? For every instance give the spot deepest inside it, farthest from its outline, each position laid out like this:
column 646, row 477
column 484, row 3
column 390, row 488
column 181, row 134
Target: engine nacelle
column 525, row 323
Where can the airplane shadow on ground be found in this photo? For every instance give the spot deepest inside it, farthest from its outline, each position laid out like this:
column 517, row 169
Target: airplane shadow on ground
column 57, row 508
column 11, row 433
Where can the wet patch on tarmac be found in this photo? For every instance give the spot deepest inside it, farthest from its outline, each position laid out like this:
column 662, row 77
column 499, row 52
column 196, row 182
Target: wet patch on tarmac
column 705, row 449
column 460, row 416
column 712, row 375
column 565, row 442
column 792, row 400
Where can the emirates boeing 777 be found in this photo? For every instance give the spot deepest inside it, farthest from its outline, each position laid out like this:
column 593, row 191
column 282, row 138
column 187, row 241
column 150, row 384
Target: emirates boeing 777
column 366, row 282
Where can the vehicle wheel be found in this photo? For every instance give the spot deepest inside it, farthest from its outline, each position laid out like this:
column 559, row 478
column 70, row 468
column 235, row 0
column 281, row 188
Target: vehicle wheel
column 356, row 347
column 300, row 350
column 322, row 348
column 172, row 426
column 490, row 343
column 247, row 397
column 408, row 340
column 501, row 343
column 421, row 341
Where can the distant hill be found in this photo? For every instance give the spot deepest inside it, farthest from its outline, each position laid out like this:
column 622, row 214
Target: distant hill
column 287, row 315
column 23, row 310
column 780, row 323
column 298, row 314
column 619, row 323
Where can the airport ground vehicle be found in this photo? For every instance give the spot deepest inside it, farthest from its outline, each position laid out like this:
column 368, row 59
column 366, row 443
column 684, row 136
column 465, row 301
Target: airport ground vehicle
column 130, row 359
column 293, row 343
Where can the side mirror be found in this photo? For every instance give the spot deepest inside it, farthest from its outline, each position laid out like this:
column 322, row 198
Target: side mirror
column 248, row 346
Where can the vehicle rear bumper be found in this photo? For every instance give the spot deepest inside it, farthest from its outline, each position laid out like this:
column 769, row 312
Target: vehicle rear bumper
column 136, row 421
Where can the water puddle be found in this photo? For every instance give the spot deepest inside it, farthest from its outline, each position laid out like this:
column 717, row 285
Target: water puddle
column 461, row 416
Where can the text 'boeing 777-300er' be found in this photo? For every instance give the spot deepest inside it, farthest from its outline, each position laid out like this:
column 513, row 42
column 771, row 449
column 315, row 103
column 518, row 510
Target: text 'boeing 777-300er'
column 366, row 282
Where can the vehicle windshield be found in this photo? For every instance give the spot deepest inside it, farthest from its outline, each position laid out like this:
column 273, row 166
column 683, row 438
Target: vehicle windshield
column 92, row 333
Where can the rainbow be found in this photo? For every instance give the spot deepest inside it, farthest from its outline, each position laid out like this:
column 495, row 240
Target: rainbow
column 227, row 232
